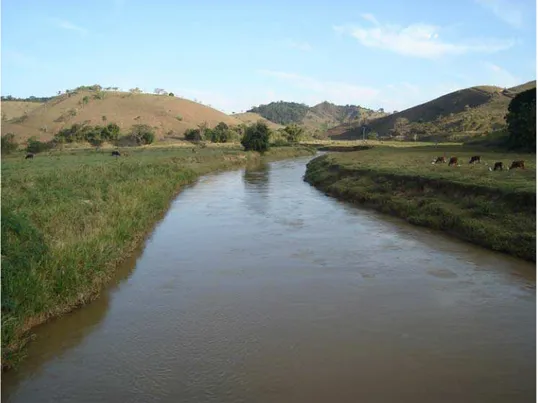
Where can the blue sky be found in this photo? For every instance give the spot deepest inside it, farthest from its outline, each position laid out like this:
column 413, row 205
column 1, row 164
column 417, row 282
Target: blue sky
column 236, row 54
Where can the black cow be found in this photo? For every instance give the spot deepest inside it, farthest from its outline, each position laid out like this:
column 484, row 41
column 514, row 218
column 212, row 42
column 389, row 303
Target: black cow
column 440, row 160
column 29, row 155
column 474, row 158
column 498, row 166
column 116, row 153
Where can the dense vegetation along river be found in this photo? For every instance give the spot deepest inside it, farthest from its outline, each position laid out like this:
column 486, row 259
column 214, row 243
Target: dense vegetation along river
column 256, row 287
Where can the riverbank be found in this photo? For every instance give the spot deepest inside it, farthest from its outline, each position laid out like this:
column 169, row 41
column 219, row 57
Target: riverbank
column 496, row 210
column 69, row 217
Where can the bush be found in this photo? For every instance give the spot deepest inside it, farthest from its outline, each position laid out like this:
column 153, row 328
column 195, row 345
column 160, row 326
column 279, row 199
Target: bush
column 293, row 133
column 193, row 135
column 256, row 137
column 36, row 146
column 9, row 144
column 179, row 117
column 143, row 134
column 371, row 136
column 170, row 94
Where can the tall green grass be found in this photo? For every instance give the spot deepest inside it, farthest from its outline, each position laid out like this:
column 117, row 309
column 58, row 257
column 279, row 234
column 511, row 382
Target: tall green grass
column 496, row 210
column 68, row 218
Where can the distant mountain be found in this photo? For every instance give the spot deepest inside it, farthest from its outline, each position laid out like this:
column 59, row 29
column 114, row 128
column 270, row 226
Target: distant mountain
column 458, row 115
column 319, row 117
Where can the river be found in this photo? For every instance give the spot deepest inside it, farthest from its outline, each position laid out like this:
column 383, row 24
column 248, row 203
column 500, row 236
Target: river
column 256, row 287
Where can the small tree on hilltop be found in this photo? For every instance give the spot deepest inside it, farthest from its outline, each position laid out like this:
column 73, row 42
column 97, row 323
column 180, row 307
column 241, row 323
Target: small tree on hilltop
column 256, row 137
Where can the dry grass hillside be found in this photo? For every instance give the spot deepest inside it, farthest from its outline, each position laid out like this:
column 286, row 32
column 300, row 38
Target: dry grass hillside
column 251, row 117
column 14, row 109
column 169, row 116
column 461, row 114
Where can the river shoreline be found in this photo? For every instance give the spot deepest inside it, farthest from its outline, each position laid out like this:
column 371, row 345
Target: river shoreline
column 17, row 326
column 435, row 203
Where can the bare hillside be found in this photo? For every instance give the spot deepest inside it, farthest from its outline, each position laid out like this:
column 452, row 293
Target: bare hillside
column 169, row 116
column 14, row 109
column 464, row 113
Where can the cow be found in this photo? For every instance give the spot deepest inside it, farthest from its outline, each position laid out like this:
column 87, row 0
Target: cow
column 474, row 158
column 498, row 166
column 453, row 161
column 517, row 164
column 29, row 155
column 440, row 160
column 116, row 153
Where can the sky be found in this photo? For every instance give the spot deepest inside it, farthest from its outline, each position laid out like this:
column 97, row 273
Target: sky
column 236, row 54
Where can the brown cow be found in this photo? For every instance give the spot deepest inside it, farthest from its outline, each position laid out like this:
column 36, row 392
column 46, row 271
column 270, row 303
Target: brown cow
column 440, row 159
column 499, row 166
column 517, row 164
column 453, row 161
column 474, row 158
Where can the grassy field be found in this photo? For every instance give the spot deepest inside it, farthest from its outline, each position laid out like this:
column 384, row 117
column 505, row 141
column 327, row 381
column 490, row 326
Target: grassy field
column 69, row 217
column 496, row 210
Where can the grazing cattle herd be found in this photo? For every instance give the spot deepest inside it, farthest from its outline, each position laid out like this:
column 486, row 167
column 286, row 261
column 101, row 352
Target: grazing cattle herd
column 498, row 166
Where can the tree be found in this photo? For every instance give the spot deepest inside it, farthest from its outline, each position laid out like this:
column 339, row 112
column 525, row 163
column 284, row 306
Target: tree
column 170, row 94
column 159, row 91
column 143, row 134
column 256, row 137
column 8, row 143
column 521, row 120
column 293, row 133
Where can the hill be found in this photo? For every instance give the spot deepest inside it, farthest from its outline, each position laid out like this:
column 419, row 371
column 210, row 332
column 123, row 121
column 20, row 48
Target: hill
column 168, row 115
column 251, row 117
column 14, row 109
column 461, row 114
column 319, row 117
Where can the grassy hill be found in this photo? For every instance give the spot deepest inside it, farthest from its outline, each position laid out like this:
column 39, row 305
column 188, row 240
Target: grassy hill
column 169, row 116
column 319, row 117
column 459, row 115
column 251, row 117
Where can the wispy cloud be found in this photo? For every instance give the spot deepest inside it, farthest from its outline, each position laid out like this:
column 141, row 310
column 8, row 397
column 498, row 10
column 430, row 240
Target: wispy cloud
column 70, row 26
column 501, row 77
column 506, row 10
column 335, row 90
column 416, row 40
column 304, row 46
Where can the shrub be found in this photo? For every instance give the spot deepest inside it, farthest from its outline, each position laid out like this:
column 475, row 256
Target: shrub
column 36, row 146
column 256, row 137
column 143, row 134
column 170, row 94
column 293, row 133
column 193, row 135
column 9, row 144
column 371, row 136
column 179, row 117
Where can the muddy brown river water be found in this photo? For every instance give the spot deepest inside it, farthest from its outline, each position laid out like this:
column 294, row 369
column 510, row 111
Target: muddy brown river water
column 256, row 287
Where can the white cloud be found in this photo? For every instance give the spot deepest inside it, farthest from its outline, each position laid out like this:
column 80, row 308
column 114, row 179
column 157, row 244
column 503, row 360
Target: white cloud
column 70, row 26
column 416, row 40
column 304, row 46
column 501, row 77
column 506, row 10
